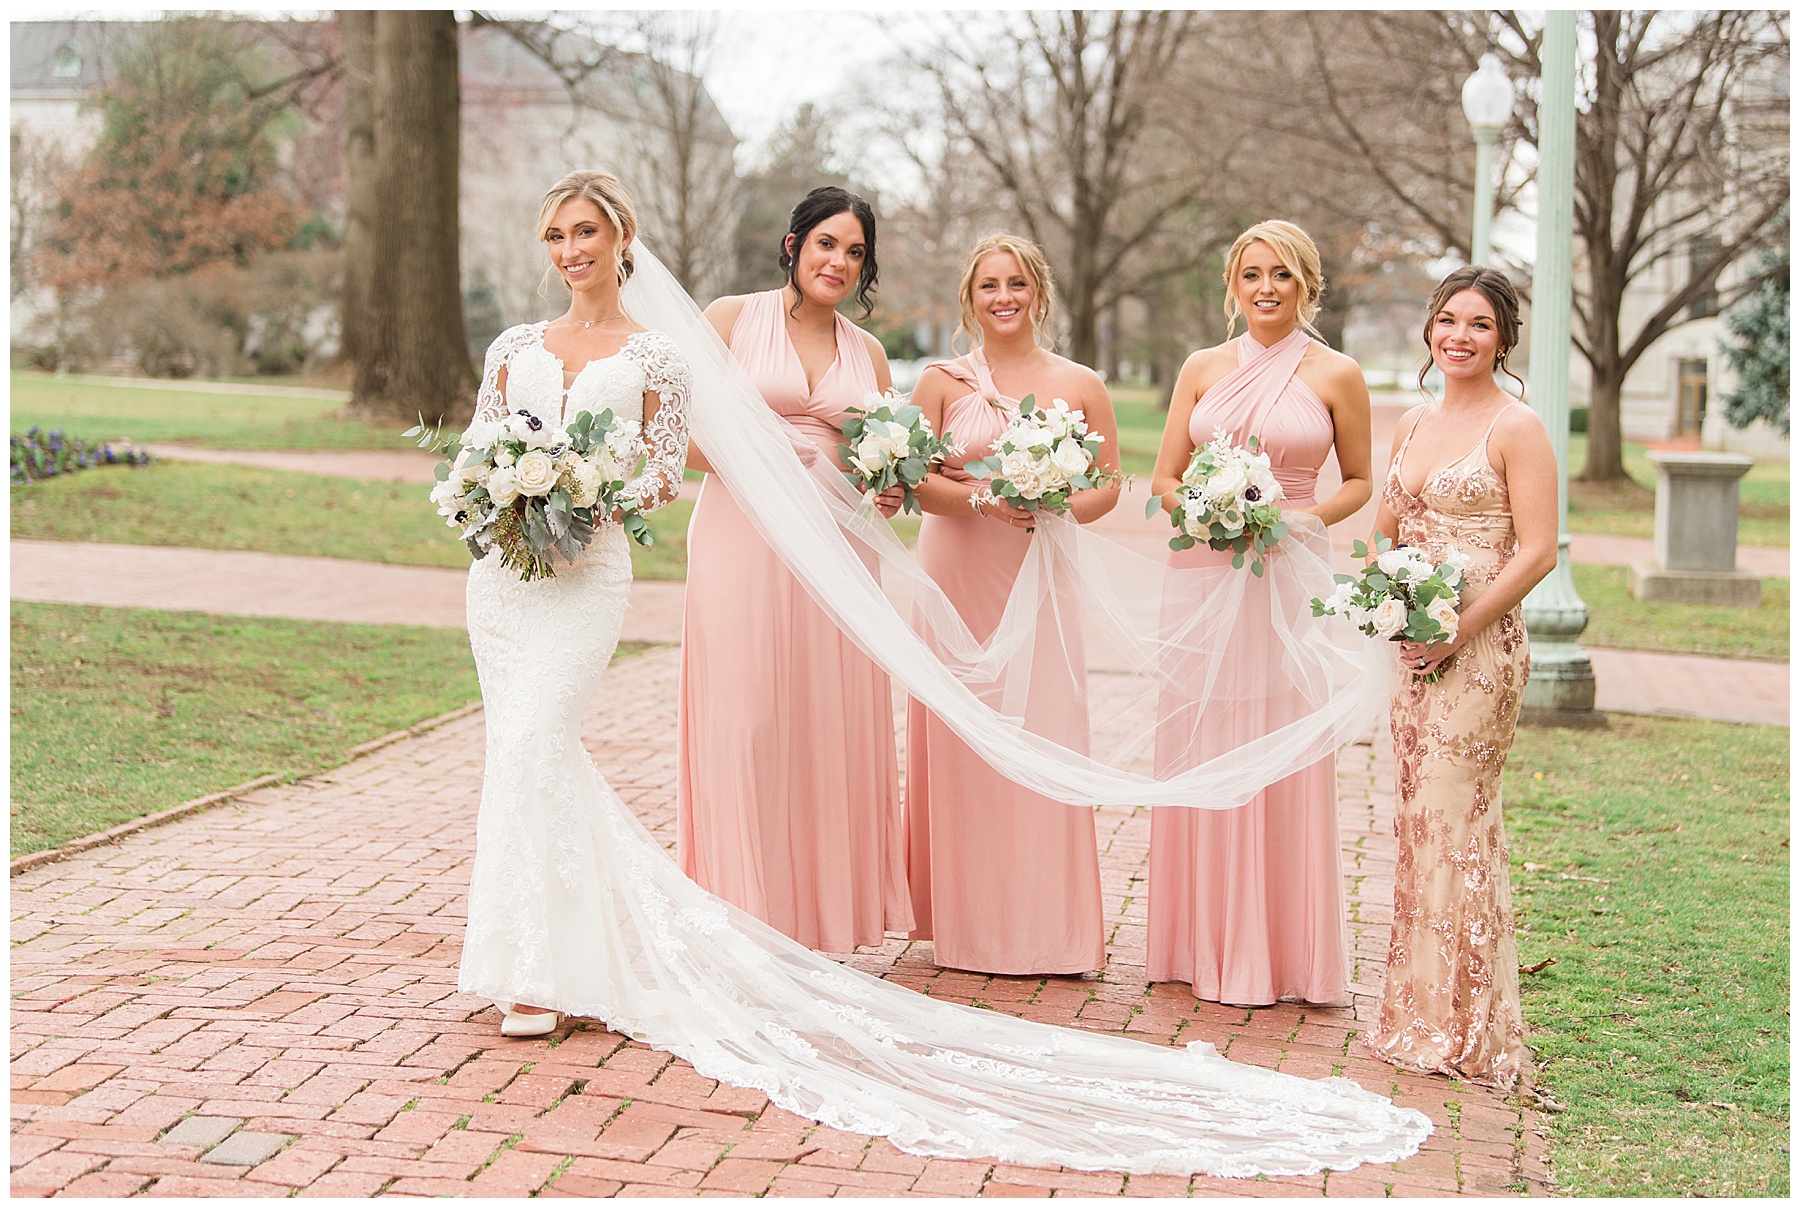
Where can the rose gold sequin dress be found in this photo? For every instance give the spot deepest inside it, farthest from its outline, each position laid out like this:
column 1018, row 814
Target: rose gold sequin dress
column 1451, row 1001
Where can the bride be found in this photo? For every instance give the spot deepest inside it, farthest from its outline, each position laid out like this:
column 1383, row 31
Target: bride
column 575, row 909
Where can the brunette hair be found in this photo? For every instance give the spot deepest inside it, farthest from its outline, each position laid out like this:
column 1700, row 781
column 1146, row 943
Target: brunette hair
column 608, row 196
column 828, row 201
column 1493, row 285
column 1036, row 268
column 1298, row 254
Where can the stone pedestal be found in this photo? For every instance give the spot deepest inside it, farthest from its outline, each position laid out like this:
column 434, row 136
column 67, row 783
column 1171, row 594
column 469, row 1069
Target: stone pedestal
column 1696, row 532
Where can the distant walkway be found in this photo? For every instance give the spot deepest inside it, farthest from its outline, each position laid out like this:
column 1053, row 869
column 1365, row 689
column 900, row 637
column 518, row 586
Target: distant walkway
column 335, row 589
column 1770, row 562
column 280, row 585
column 397, row 465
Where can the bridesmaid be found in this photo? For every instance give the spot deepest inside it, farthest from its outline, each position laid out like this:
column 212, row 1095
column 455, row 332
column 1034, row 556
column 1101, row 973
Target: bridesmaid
column 1003, row 880
column 1247, row 905
column 787, row 781
column 1475, row 473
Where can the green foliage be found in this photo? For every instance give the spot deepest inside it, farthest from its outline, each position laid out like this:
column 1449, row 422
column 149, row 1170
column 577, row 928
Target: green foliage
column 1758, row 350
column 1616, row 619
column 182, row 170
column 121, row 712
column 1650, row 865
column 39, row 454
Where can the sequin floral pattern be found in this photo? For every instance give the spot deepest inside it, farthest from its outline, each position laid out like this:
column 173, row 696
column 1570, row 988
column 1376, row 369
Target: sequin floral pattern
column 1451, row 1001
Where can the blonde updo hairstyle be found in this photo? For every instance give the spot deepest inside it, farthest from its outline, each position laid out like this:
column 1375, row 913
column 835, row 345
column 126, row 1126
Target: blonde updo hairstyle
column 1300, row 256
column 1036, row 269
column 608, row 196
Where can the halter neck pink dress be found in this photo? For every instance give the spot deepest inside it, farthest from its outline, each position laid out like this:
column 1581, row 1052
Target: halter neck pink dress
column 1003, row 880
column 1247, row 905
column 787, row 784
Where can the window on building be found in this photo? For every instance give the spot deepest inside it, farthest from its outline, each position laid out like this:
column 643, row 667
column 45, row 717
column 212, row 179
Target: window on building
column 67, row 63
column 1690, row 413
column 1701, row 250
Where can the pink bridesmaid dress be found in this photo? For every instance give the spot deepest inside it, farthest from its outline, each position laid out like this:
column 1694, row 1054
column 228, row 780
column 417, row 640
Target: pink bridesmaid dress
column 1246, row 905
column 1003, row 880
column 787, row 781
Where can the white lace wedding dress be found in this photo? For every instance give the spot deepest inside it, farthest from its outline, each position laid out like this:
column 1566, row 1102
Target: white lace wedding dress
column 574, row 906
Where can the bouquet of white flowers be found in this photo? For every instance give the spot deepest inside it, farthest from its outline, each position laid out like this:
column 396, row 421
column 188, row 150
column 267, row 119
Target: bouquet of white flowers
column 1400, row 596
column 888, row 442
column 1229, row 499
column 530, row 489
column 1044, row 455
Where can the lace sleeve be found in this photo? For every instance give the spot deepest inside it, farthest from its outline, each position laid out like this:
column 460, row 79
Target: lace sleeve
column 489, row 402
column 666, row 434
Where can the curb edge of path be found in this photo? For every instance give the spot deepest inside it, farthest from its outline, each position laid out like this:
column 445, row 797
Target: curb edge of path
column 49, row 855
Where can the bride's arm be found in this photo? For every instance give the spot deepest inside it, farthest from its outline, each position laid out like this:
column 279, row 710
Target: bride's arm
column 490, row 399
column 667, row 389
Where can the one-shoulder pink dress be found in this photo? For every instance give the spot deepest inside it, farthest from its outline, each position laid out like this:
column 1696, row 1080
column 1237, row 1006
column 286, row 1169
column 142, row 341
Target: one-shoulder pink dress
column 787, row 784
column 1003, row 880
column 1247, row 905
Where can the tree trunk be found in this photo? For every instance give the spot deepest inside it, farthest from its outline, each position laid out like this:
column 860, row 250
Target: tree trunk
column 356, row 31
column 1605, row 450
column 415, row 356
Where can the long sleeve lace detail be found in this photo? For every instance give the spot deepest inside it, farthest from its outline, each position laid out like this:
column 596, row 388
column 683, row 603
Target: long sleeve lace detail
column 666, row 435
column 489, row 402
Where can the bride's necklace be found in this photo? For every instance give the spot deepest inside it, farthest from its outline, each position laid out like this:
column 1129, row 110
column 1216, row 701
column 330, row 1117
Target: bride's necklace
column 585, row 324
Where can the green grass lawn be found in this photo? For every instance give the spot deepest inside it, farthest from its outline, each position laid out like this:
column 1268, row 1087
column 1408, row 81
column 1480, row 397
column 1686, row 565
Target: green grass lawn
column 118, row 713
column 277, row 512
column 1650, row 864
column 1140, row 415
column 1617, row 620
column 172, row 412
column 1629, row 509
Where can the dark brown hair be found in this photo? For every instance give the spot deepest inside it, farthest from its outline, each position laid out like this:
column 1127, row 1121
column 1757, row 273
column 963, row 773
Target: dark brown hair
column 1493, row 285
column 825, row 202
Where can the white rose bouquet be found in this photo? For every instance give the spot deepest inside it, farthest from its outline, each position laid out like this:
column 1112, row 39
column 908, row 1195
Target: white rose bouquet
column 532, row 490
column 1400, row 596
column 888, row 442
column 1230, row 500
column 1044, row 456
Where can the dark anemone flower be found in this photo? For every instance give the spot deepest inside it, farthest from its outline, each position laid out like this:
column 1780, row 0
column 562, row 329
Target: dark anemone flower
column 1251, row 494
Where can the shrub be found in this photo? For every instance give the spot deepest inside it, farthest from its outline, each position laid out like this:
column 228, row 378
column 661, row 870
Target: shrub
column 39, row 454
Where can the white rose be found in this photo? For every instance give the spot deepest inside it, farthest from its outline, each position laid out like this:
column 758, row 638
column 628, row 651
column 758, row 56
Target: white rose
column 1029, row 481
column 481, row 434
column 586, row 484
column 447, row 494
column 605, row 464
column 1070, row 458
column 871, row 454
column 1338, row 602
column 1360, row 617
column 899, row 438
column 567, row 460
column 1444, row 613
column 503, row 458
column 502, row 486
column 1395, row 560
column 1389, row 618
column 1226, row 485
column 536, row 474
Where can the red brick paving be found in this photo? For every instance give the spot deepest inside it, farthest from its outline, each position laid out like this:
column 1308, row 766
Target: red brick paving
column 289, row 960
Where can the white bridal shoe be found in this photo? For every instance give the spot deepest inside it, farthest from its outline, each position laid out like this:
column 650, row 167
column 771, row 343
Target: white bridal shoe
column 532, row 1023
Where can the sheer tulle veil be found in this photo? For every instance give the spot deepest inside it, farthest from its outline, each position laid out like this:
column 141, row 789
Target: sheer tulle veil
column 1159, row 643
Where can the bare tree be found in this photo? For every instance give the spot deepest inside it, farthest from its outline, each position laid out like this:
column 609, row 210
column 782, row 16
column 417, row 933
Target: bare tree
column 356, row 31
column 1681, row 155
column 1066, row 112
column 414, row 351
column 692, row 186
column 646, row 72
column 1666, row 183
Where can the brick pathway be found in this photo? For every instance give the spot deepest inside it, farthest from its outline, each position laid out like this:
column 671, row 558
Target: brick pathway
column 260, row 1000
